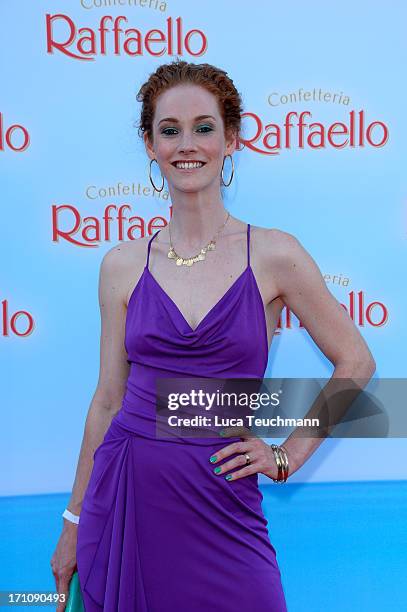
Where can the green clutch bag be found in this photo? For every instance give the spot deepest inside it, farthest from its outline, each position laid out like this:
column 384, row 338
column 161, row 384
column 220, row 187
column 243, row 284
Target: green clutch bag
column 75, row 601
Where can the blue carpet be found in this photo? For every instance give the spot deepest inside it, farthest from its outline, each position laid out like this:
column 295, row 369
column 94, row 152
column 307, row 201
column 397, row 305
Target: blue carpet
column 340, row 546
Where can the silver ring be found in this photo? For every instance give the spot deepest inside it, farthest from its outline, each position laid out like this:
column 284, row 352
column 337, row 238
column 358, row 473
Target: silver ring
column 248, row 460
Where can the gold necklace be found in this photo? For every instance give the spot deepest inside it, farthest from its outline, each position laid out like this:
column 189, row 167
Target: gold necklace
column 188, row 261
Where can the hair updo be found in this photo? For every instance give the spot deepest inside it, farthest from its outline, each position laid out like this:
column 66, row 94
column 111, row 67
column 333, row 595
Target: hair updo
column 215, row 80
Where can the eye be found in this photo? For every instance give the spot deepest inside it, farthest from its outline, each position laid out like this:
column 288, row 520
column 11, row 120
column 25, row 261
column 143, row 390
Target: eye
column 208, row 127
column 165, row 131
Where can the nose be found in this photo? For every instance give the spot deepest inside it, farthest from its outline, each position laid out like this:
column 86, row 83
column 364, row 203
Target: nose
column 187, row 142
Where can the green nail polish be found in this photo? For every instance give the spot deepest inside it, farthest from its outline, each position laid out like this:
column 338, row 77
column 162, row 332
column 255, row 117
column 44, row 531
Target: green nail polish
column 213, row 459
column 228, row 477
column 217, row 470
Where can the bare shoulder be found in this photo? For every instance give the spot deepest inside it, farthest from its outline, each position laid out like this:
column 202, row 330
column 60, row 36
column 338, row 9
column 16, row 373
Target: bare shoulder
column 276, row 246
column 274, row 241
column 282, row 256
column 122, row 265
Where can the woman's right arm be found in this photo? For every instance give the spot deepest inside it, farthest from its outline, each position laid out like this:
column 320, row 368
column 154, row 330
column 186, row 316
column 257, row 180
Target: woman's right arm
column 113, row 373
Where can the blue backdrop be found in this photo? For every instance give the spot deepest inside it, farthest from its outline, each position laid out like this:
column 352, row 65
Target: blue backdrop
column 69, row 150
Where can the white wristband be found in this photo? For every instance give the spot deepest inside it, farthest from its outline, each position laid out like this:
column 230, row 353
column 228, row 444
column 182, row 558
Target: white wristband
column 71, row 517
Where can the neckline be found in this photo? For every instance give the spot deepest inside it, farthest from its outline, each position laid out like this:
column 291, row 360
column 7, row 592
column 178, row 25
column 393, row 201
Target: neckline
column 194, row 330
column 191, row 329
column 197, row 329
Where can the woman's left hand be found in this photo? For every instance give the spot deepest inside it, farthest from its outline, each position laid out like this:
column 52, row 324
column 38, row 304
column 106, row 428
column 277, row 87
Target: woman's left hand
column 261, row 455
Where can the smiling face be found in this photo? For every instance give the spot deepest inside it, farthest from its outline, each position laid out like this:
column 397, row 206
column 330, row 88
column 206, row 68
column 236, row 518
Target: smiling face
column 189, row 140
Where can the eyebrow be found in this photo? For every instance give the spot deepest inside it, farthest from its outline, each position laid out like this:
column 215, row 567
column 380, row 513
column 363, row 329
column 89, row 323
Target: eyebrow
column 173, row 119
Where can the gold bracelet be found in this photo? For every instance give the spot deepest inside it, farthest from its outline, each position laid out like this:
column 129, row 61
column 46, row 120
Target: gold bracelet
column 278, row 461
column 280, row 455
column 285, row 460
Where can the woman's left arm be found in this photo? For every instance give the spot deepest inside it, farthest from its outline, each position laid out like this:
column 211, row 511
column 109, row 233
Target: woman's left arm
column 302, row 288
column 304, row 291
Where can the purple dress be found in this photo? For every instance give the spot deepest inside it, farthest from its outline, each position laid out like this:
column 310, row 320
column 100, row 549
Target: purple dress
column 159, row 531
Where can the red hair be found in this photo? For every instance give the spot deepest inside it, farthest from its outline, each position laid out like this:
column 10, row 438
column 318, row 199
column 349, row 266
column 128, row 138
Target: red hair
column 215, row 80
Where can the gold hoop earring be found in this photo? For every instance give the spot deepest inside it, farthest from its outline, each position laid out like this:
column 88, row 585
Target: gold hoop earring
column 233, row 170
column 151, row 179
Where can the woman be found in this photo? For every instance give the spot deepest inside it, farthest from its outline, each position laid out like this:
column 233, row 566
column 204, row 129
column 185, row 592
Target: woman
column 162, row 528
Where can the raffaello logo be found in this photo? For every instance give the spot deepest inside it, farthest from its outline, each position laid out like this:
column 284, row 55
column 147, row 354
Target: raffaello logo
column 83, row 43
column 68, row 225
column 271, row 138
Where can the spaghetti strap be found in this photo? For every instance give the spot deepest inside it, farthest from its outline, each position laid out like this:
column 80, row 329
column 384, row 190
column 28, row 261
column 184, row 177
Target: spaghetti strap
column 149, row 246
column 248, row 245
